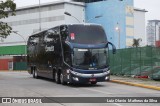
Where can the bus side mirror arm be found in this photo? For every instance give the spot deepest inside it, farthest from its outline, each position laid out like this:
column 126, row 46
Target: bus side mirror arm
column 113, row 47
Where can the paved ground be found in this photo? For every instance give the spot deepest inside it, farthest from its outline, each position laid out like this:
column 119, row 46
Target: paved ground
column 137, row 80
column 21, row 84
column 140, row 82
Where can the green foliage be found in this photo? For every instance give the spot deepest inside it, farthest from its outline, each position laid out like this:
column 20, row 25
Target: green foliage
column 7, row 8
column 136, row 42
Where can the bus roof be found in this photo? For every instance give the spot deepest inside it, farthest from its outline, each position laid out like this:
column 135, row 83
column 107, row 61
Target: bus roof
column 85, row 24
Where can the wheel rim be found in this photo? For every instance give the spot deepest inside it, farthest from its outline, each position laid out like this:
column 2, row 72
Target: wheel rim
column 56, row 77
column 35, row 72
column 61, row 78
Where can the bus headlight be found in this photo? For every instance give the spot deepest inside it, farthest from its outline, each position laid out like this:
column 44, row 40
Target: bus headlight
column 107, row 78
column 75, row 78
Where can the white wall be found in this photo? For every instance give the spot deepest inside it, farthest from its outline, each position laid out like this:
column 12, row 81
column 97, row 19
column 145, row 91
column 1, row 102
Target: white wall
column 76, row 11
column 139, row 26
column 50, row 17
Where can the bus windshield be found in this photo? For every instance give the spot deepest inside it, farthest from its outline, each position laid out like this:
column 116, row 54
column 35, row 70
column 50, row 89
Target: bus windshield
column 87, row 34
column 90, row 58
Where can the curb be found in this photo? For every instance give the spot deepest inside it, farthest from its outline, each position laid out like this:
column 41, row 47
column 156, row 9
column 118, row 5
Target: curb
column 138, row 85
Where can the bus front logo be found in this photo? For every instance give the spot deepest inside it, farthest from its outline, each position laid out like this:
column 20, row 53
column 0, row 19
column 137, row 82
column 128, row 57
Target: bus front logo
column 92, row 75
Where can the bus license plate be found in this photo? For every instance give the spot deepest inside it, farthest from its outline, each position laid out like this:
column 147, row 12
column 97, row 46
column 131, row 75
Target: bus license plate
column 92, row 79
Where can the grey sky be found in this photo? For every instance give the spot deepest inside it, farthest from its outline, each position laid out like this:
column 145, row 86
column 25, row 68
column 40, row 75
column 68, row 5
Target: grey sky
column 152, row 6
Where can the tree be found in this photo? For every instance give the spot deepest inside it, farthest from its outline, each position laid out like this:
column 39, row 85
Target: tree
column 7, row 8
column 136, row 42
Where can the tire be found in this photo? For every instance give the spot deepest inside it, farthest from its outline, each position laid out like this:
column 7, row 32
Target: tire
column 93, row 83
column 35, row 74
column 57, row 77
column 62, row 79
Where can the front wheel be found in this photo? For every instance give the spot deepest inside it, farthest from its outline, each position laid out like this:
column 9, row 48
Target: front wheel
column 57, row 77
column 62, row 79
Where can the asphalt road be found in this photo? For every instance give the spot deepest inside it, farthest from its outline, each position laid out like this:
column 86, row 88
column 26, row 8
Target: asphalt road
column 21, row 84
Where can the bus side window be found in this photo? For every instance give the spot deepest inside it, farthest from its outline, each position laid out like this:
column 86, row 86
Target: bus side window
column 48, row 41
column 33, row 45
column 67, row 54
column 52, row 40
column 56, row 40
column 33, row 41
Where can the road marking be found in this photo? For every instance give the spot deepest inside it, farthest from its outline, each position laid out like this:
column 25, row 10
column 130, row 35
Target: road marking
column 103, row 93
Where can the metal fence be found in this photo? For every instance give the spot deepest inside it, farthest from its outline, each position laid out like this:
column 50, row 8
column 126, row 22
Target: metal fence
column 136, row 62
column 20, row 66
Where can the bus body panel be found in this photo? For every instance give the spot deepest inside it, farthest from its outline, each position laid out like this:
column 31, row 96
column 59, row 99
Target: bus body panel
column 57, row 50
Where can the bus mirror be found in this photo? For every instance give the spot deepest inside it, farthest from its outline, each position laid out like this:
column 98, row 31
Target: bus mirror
column 114, row 51
column 113, row 47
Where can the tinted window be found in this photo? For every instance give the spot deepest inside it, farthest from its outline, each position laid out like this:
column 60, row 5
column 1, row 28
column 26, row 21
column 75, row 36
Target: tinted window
column 32, row 44
column 87, row 34
column 90, row 58
column 33, row 40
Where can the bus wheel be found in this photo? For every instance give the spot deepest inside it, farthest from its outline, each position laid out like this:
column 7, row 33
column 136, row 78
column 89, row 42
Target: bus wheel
column 93, row 83
column 35, row 75
column 62, row 79
column 57, row 77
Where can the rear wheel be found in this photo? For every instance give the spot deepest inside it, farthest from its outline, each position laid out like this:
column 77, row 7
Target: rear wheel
column 57, row 77
column 35, row 74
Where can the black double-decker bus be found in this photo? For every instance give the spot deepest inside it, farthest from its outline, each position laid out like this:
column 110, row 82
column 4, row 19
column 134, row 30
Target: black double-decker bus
column 74, row 53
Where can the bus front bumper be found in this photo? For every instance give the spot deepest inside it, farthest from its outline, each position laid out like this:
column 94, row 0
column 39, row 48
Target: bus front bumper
column 85, row 78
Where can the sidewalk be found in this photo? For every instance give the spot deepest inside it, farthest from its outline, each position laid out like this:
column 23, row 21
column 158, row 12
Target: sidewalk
column 145, row 83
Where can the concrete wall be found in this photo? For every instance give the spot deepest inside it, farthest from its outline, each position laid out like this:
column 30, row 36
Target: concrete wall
column 139, row 26
column 6, row 64
column 27, row 21
column 114, row 13
column 77, row 11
